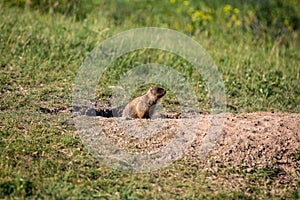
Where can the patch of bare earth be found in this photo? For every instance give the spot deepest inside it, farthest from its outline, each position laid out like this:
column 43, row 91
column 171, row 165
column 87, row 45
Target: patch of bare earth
column 247, row 143
column 253, row 141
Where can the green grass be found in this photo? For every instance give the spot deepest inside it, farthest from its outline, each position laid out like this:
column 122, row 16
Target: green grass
column 40, row 54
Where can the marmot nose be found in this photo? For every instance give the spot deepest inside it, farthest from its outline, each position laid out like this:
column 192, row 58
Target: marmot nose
column 161, row 90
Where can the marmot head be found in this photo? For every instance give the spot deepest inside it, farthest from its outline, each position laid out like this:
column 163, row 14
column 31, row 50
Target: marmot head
column 157, row 92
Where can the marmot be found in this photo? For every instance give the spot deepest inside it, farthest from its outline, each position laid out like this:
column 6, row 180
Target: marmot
column 143, row 106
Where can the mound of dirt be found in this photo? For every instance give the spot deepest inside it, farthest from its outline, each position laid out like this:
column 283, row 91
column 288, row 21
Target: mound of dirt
column 248, row 141
column 257, row 140
column 260, row 139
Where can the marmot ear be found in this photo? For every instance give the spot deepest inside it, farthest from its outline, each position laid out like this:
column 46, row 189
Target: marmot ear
column 152, row 90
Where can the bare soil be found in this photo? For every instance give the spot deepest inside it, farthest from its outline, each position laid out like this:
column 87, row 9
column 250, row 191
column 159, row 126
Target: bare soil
column 246, row 142
column 254, row 141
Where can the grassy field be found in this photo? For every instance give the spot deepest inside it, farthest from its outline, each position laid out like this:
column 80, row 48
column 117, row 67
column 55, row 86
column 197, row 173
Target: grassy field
column 256, row 49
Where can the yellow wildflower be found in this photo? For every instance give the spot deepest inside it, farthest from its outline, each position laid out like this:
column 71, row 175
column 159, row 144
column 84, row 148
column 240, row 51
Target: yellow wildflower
column 229, row 24
column 194, row 18
column 233, row 17
column 186, row 3
column 227, row 8
column 237, row 22
column 236, row 11
column 191, row 11
column 205, row 17
column 173, row 1
column 199, row 13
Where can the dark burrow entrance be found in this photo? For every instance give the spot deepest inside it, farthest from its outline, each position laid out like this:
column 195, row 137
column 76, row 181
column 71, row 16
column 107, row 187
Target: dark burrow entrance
column 101, row 109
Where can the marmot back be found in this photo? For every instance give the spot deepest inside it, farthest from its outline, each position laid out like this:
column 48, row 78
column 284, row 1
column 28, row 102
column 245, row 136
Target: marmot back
column 143, row 106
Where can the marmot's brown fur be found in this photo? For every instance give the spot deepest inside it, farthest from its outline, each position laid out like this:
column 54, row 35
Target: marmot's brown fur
column 143, row 106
